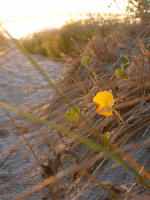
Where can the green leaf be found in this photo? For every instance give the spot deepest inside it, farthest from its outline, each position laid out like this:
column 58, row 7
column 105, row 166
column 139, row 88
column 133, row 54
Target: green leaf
column 125, row 63
column 85, row 60
column 106, row 135
column 124, row 60
column 84, row 140
column 125, row 67
column 73, row 115
column 120, row 74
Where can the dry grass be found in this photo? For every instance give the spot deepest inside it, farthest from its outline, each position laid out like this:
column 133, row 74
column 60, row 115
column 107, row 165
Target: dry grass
column 71, row 39
column 131, row 96
column 65, row 161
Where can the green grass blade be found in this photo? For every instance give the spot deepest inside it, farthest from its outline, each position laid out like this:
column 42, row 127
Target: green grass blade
column 61, row 93
column 113, row 155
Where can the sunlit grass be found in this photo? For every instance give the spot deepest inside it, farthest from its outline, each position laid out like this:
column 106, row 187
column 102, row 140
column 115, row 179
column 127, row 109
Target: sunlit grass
column 99, row 142
column 72, row 37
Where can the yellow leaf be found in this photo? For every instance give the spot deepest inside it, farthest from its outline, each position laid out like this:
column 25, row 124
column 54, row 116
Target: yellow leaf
column 85, row 60
column 104, row 102
column 121, row 74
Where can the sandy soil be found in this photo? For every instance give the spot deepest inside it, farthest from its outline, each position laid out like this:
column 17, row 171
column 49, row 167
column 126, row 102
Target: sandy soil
column 22, row 86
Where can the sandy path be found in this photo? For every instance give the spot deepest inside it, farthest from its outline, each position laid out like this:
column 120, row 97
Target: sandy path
column 19, row 81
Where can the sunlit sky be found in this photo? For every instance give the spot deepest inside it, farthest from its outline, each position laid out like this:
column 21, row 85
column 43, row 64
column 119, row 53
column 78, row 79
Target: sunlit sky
column 21, row 17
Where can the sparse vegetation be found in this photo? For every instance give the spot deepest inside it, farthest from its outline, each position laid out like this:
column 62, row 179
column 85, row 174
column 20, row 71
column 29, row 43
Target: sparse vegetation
column 141, row 9
column 101, row 148
column 71, row 39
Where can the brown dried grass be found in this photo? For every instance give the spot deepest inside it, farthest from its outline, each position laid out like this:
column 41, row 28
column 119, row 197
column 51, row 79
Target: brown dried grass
column 132, row 100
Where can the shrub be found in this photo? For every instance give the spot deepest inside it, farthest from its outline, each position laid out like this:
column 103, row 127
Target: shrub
column 141, row 8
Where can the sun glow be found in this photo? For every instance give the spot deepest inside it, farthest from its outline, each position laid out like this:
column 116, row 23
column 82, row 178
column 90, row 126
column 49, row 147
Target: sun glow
column 21, row 17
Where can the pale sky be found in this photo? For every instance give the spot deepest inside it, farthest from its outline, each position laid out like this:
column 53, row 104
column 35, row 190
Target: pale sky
column 32, row 15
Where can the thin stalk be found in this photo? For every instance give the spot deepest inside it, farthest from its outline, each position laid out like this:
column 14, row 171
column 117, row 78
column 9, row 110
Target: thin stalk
column 116, row 112
column 113, row 155
column 61, row 93
column 102, row 185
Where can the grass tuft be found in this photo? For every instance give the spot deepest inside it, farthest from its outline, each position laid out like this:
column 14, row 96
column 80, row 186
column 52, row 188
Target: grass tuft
column 93, row 56
column 71, row 39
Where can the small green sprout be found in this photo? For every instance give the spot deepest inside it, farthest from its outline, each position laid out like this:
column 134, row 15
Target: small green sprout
column 85, row 61
column 125, row 62
column 106, row 136
column 72, row 116
column 121, row 72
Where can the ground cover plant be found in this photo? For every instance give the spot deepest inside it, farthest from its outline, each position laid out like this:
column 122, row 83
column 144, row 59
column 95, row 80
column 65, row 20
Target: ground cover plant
column 96, row 145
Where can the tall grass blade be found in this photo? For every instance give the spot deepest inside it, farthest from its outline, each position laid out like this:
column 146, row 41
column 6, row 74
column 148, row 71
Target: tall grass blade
column 113, row 155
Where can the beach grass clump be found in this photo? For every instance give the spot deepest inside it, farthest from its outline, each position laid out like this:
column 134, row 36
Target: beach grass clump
column 71, row 38
column 101, row 119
